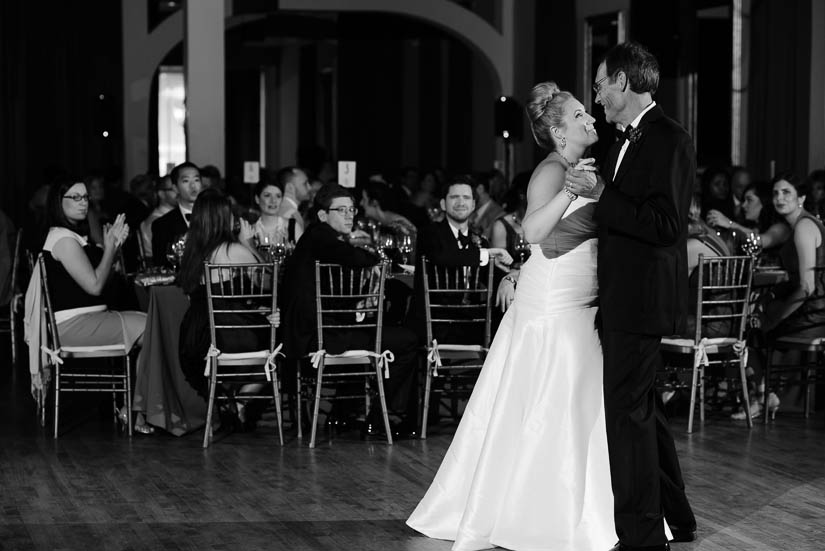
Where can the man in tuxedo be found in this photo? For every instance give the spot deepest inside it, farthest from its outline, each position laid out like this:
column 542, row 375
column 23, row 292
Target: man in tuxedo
column 450, row 243
column 173, row 225
column 644, row 196
column 327, row 241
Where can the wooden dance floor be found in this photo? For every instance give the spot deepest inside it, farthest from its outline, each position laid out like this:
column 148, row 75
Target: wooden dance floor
column 93, row 488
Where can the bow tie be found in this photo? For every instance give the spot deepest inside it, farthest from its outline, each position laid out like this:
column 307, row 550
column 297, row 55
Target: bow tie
column 187, row 216
column 463, row 240
column 630, row 133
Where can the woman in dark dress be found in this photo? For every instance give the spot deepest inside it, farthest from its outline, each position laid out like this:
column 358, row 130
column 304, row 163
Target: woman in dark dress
column 798, row 305
column 211, row 237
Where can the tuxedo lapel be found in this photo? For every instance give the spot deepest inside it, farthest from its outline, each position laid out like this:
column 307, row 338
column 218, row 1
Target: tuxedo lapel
column 633, row 148
column 610, row 165
column 627, row 160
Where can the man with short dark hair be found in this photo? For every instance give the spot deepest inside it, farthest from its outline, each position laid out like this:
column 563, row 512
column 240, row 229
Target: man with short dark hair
column 644, row 196
column 327, row 240
column 174, row 224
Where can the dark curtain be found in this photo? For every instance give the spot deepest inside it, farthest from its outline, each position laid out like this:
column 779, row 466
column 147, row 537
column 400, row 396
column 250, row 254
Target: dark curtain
column 56, row 60
column 779, row 86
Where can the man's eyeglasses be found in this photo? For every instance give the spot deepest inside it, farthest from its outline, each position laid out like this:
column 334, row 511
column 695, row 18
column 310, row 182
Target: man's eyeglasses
column 77, row 197
column 597, row 87
column 344, row 210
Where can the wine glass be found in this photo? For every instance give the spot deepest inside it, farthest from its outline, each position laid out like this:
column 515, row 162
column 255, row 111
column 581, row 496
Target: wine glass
column 522, row 249
column 175, row 253
column 405, row 247
column 278, row 249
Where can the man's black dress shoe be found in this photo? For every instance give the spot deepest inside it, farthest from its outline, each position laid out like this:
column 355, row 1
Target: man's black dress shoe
column 683, row 534
column 622, row 547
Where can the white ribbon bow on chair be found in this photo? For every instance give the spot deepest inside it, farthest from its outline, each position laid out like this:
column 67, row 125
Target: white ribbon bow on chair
column 700, row 355
column 54, row 355
column 213, row 353
column 384, row 358
column 270, row 366
column 434, row 358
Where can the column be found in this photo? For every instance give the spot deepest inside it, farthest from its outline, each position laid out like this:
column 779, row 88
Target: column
column 204, row 71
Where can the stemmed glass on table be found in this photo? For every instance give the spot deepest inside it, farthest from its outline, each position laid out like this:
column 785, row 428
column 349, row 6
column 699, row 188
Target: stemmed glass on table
column 522, row 250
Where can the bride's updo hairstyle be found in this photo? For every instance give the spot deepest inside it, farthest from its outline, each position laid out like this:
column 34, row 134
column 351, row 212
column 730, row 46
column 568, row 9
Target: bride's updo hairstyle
column 546, row 110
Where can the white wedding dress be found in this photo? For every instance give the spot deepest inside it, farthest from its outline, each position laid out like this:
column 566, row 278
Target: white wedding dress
column 528, row 467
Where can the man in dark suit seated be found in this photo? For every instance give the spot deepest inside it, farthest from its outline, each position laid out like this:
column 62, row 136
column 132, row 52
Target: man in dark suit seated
column 173, row 225
column 450, row 243
column 327, row 240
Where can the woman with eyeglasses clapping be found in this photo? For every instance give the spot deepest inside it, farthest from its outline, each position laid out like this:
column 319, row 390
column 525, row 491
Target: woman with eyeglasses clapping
column 78, row 272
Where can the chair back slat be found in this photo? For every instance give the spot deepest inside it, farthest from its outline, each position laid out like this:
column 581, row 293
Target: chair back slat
column 240, row 296
column 349, row 297
column 724, row 285
column 457, row 294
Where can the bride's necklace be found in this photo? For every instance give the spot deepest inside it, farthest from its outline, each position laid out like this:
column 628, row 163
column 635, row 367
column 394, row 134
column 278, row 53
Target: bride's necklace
column 568, row 161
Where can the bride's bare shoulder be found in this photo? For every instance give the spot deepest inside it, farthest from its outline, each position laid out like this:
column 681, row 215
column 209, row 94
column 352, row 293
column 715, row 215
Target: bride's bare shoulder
column 549, row 171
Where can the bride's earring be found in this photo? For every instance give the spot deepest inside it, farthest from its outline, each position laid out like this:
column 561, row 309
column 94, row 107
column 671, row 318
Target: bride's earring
column 563, row 142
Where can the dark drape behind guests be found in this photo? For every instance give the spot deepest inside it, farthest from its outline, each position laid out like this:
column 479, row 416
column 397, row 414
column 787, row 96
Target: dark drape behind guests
column 779, row 86
column 56, row 59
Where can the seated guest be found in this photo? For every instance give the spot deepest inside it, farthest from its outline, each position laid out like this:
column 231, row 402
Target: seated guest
column 507, row 231
column 79, row 272
column 296, row 189
column 381, row 204
column 740, row 180
column 798, row 305
column 815, row 203
column 166, row 199
column 703, row 240
column 211, row 238
column 271, row 227
column 760, row 219
column 173, row 225
column 327, row 240
column 716, row 195
column 450, row 243
column 487, row 210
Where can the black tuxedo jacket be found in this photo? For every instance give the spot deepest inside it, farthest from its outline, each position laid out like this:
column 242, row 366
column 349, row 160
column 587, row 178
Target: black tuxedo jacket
column 320, row 242
column 642, row 216
column 166, row 229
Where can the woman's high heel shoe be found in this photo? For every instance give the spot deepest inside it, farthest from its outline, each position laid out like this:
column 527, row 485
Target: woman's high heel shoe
column 773, row 404
column 140, row 424
column 756, row 411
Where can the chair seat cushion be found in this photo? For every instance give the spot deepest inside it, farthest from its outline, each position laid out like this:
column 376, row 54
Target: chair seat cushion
column 712, row 346
column 94, row 351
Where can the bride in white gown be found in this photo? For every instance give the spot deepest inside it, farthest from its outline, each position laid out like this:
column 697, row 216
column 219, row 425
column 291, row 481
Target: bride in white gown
column 528, row 467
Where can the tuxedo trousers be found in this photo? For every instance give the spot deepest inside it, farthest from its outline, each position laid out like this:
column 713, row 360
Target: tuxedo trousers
column 646, row 476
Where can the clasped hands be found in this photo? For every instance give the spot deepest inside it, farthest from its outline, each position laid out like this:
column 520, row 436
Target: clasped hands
column 583, row 179
column 115, row 234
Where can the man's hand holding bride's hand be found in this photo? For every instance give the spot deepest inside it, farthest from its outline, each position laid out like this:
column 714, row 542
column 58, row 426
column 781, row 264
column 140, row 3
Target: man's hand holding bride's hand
column 583, row 179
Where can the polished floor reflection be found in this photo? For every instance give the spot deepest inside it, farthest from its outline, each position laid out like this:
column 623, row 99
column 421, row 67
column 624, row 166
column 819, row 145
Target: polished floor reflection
column 96, row 489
